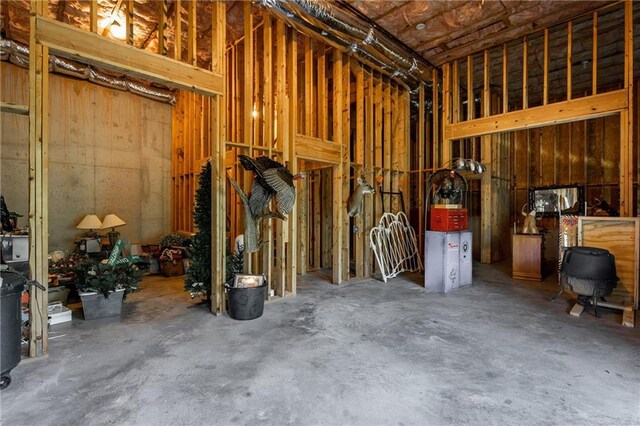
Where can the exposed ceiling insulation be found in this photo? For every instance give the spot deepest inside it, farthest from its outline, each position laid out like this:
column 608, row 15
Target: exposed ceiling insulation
column 437, row 30
column 456, row 28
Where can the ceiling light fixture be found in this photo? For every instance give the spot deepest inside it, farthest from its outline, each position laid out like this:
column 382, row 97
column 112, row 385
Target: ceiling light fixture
column 420, row 26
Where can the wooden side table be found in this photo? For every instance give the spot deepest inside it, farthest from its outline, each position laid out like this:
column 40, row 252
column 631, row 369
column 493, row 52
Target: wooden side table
column 527, row 257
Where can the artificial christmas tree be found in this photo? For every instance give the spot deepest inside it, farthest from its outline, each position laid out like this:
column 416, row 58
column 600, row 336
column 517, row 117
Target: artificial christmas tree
column 198, row 278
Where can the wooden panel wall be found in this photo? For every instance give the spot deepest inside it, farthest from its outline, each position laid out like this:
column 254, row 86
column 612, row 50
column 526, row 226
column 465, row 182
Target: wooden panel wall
column 583, row 152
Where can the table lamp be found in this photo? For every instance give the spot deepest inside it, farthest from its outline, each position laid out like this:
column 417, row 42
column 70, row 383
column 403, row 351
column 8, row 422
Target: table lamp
column 90, row 222
column 112, row 221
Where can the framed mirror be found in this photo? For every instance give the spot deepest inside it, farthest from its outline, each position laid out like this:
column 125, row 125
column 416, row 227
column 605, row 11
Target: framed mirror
column 550, row 200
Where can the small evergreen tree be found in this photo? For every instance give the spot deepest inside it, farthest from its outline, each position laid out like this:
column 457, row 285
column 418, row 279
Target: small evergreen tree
column 198, row 278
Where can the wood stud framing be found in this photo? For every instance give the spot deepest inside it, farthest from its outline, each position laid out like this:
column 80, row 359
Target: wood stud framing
column 177, row 39
column 598, row 104
column 93, row 16
column 38, row 182
column 308, row 126
column 218, row 174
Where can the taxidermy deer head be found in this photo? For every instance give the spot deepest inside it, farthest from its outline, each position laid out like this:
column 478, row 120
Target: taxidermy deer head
column 354, row 203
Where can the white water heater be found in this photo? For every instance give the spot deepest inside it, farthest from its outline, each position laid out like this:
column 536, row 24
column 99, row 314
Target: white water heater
column 448, row 260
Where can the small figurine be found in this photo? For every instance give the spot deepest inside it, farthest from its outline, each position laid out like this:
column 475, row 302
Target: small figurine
column 529, row 226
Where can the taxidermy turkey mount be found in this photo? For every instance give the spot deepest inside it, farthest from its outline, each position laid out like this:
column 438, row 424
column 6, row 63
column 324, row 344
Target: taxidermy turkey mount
column 450, row 186
column 270, row 180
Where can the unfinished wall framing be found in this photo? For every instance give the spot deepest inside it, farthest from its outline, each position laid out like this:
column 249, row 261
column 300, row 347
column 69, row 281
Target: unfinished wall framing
column 528, row 84
column 301, row 102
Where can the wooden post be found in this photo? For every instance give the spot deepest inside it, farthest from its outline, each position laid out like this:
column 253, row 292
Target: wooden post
column 317, row 220
column 359, row 155
column 388, row 138
column 338, row 170
column 470, row 97
column 446, row 118
column 525, row 62
column 302, row 201
column 505, row 80
column 421, row 165
column 323, row 108
column 247, row 108
column 267, row 224
column 403, row 151
column 569, row 58
column 486, row 212
column 368, row 161
column 162, row 27
column 38, row 183
column 292, row 220
column 594, row 58
column 627, row 117
column 378, row 141
column 93, row 16
column 545, row 71
column 129, row 22
column 308, row 87
column 218, row 173
column 346, row 162
column 435, row 157
column 281, row 75
column 177, row 39
column 455, row 87
column 192, row 23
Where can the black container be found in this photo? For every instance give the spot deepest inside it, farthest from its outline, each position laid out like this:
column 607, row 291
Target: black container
column 13, row 284
column 246, row 303
column 590, row 263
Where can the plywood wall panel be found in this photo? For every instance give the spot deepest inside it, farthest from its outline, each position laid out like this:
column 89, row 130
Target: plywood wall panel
column 109, row 152
column 547, row 155
column 578, row 142
column 563, row 154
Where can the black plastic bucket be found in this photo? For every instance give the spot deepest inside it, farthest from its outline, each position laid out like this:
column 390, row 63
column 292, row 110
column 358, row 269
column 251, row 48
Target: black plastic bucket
column 246, row 303
column 10, row 323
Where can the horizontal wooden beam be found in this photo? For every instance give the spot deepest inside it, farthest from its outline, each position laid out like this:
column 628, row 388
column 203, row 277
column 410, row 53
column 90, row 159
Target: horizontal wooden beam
column 308, row 148
column 556, row 113
column 71, row 42
column 14, row 108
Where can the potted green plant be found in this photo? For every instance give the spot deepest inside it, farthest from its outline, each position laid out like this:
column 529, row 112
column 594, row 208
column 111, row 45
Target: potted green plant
column 104, row 286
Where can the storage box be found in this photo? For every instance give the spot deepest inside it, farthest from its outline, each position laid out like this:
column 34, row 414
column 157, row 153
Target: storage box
column 171, row 270
column 58, row 314
column 448, row 220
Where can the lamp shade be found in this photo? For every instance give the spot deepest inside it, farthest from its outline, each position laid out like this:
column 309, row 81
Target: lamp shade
column 90, row 221
column 112, row 221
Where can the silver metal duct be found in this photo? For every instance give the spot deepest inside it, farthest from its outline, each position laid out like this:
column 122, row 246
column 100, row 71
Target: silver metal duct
column 344, row 29
column 68, row 67
column 18, row 54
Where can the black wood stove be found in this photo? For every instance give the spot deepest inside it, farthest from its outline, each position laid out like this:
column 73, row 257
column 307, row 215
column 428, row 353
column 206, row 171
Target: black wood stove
column 590, row 272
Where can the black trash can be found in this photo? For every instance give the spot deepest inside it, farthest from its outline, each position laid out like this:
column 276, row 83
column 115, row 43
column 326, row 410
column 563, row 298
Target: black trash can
column 13, row 283
column 246, row 303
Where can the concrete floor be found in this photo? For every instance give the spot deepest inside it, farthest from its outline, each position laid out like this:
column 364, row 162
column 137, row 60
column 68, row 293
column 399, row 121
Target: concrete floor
column 362, row 354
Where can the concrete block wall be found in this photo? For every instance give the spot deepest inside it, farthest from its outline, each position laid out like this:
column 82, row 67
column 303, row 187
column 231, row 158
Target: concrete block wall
column 109, row 152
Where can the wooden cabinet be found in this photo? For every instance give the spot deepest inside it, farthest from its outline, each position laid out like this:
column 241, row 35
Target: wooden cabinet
column 527, row 257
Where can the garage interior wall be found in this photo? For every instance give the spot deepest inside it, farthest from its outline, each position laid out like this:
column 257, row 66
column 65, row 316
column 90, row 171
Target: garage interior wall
column 109, row 152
